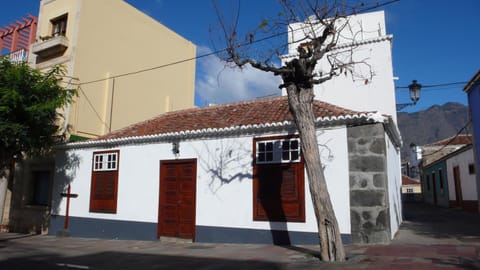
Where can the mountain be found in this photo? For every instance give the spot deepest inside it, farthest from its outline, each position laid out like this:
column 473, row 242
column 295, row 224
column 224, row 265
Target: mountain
column 431, row 125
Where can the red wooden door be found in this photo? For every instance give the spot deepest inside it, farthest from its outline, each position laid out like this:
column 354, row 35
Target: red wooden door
column 176, row 217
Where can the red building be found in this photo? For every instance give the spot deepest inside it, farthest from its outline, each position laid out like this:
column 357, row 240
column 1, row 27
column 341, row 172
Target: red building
column 15, row 38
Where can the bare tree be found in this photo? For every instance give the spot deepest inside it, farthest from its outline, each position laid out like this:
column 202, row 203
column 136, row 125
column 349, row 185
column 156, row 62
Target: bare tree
column 322, row 23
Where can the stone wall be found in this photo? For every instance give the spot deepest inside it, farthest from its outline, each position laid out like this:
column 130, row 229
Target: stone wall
column 369, row 210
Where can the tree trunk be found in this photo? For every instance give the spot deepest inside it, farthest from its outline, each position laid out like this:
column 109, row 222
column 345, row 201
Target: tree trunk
column 300, row 101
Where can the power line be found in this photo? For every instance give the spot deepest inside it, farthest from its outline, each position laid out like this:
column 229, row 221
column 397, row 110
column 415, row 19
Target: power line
column 449, row 141
column 378, row 5
column 435, row 85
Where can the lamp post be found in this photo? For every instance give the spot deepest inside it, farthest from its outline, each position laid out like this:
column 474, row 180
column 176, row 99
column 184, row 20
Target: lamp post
column 414, row 90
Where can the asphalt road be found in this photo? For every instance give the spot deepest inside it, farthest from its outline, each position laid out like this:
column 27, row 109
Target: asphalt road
column 429, row 238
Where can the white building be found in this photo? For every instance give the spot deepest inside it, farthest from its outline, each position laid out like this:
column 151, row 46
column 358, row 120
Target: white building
column 230, row 173
column 366, row 41
column 462, row 185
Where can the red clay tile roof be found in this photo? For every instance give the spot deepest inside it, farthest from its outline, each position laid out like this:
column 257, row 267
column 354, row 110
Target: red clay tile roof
column 262, row 111
column 406, row 180
column 454, row 140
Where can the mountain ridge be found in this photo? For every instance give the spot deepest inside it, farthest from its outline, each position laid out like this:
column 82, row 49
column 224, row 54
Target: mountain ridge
column 432, row 124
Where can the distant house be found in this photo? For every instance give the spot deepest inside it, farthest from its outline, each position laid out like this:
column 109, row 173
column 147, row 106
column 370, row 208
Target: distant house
column 473, row 91
column 461, row 175
column 411, row 189
column 448, row 174
column 230, row 173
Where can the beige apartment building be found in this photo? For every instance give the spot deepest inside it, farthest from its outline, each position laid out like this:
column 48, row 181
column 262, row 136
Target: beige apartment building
column 96, row 41
column 126, row 66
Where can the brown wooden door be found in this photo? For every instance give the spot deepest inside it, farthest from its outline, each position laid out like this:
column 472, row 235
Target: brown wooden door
column 176, row 217
column 458, row 187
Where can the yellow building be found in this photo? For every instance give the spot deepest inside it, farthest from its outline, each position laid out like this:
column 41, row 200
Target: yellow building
column 126, row 66
column 98, row 42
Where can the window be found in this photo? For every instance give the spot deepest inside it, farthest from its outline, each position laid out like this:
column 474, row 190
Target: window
column 278, row 151
column 59, row 26
column 105, row 161
column 278, row 182
column 103, row 191
column 471, row 168
column 41, row 188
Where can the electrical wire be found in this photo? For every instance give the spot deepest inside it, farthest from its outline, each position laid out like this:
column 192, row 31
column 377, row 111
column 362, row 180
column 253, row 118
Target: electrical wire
column 434, row 85
column 451, row 140
column 93, row 107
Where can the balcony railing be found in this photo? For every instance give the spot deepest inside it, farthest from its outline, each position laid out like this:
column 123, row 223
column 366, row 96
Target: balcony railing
column 18, row 56
column 51, row 46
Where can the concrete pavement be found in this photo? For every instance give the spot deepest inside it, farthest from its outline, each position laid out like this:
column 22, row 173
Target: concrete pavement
column 430, row 238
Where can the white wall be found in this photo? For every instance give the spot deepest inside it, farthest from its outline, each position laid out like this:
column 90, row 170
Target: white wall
column 394, row 186
column 468, row 181
column 351, row 91
column 223, row 203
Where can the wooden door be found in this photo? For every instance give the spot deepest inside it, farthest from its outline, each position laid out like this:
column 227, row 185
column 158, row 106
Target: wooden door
column 176, row 217
column 458, row 187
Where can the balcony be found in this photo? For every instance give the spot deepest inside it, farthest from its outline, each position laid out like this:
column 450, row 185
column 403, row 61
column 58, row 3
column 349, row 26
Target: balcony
column 18, row 56
column 50, row 47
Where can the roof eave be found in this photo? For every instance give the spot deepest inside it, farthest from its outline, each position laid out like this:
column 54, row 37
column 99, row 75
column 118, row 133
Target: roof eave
column 321, row 122
column 475, row 80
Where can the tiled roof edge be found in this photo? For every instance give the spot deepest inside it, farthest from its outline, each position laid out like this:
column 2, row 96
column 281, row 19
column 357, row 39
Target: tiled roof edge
column 359, row 118
column 349, row 45
column 393, row 132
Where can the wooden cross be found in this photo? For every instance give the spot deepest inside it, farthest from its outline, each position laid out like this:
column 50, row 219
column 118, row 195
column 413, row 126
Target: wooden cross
column 68, row 195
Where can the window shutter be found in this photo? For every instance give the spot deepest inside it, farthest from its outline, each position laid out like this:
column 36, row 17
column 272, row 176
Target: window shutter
column 104, row 186
column 279, row 192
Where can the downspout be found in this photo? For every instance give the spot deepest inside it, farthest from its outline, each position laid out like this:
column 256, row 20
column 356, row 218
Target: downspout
column 72, row 63
column 111, row 106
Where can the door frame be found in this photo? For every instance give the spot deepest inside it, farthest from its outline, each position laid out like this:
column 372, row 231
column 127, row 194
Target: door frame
column 178, row 161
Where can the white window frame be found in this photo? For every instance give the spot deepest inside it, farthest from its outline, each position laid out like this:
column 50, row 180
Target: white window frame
column 277, row 151
column 101, row 161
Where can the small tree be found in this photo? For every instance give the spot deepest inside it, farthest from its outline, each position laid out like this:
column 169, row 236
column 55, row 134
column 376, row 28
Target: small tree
column 322, row 25
column 29, row 114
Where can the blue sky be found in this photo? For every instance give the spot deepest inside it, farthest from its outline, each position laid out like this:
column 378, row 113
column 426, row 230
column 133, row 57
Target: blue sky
column 435, row 42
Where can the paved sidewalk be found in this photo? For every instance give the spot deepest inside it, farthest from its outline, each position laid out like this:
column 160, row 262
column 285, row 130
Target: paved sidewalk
column 430, row 238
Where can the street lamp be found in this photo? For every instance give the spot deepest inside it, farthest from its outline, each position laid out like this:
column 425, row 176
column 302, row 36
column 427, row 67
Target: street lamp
column 414, row 89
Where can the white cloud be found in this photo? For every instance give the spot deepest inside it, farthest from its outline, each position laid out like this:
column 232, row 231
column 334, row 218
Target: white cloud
column 218, row 84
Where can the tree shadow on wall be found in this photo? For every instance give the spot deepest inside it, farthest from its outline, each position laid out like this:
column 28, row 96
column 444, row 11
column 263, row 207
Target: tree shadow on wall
column 279, row 201
column 268, row 180
column 225, row 162
column 66, row 165
column 38, row 182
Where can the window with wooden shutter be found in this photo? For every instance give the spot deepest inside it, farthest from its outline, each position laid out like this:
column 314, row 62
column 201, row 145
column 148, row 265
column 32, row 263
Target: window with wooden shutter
column 278, row 182
column 103, row 192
